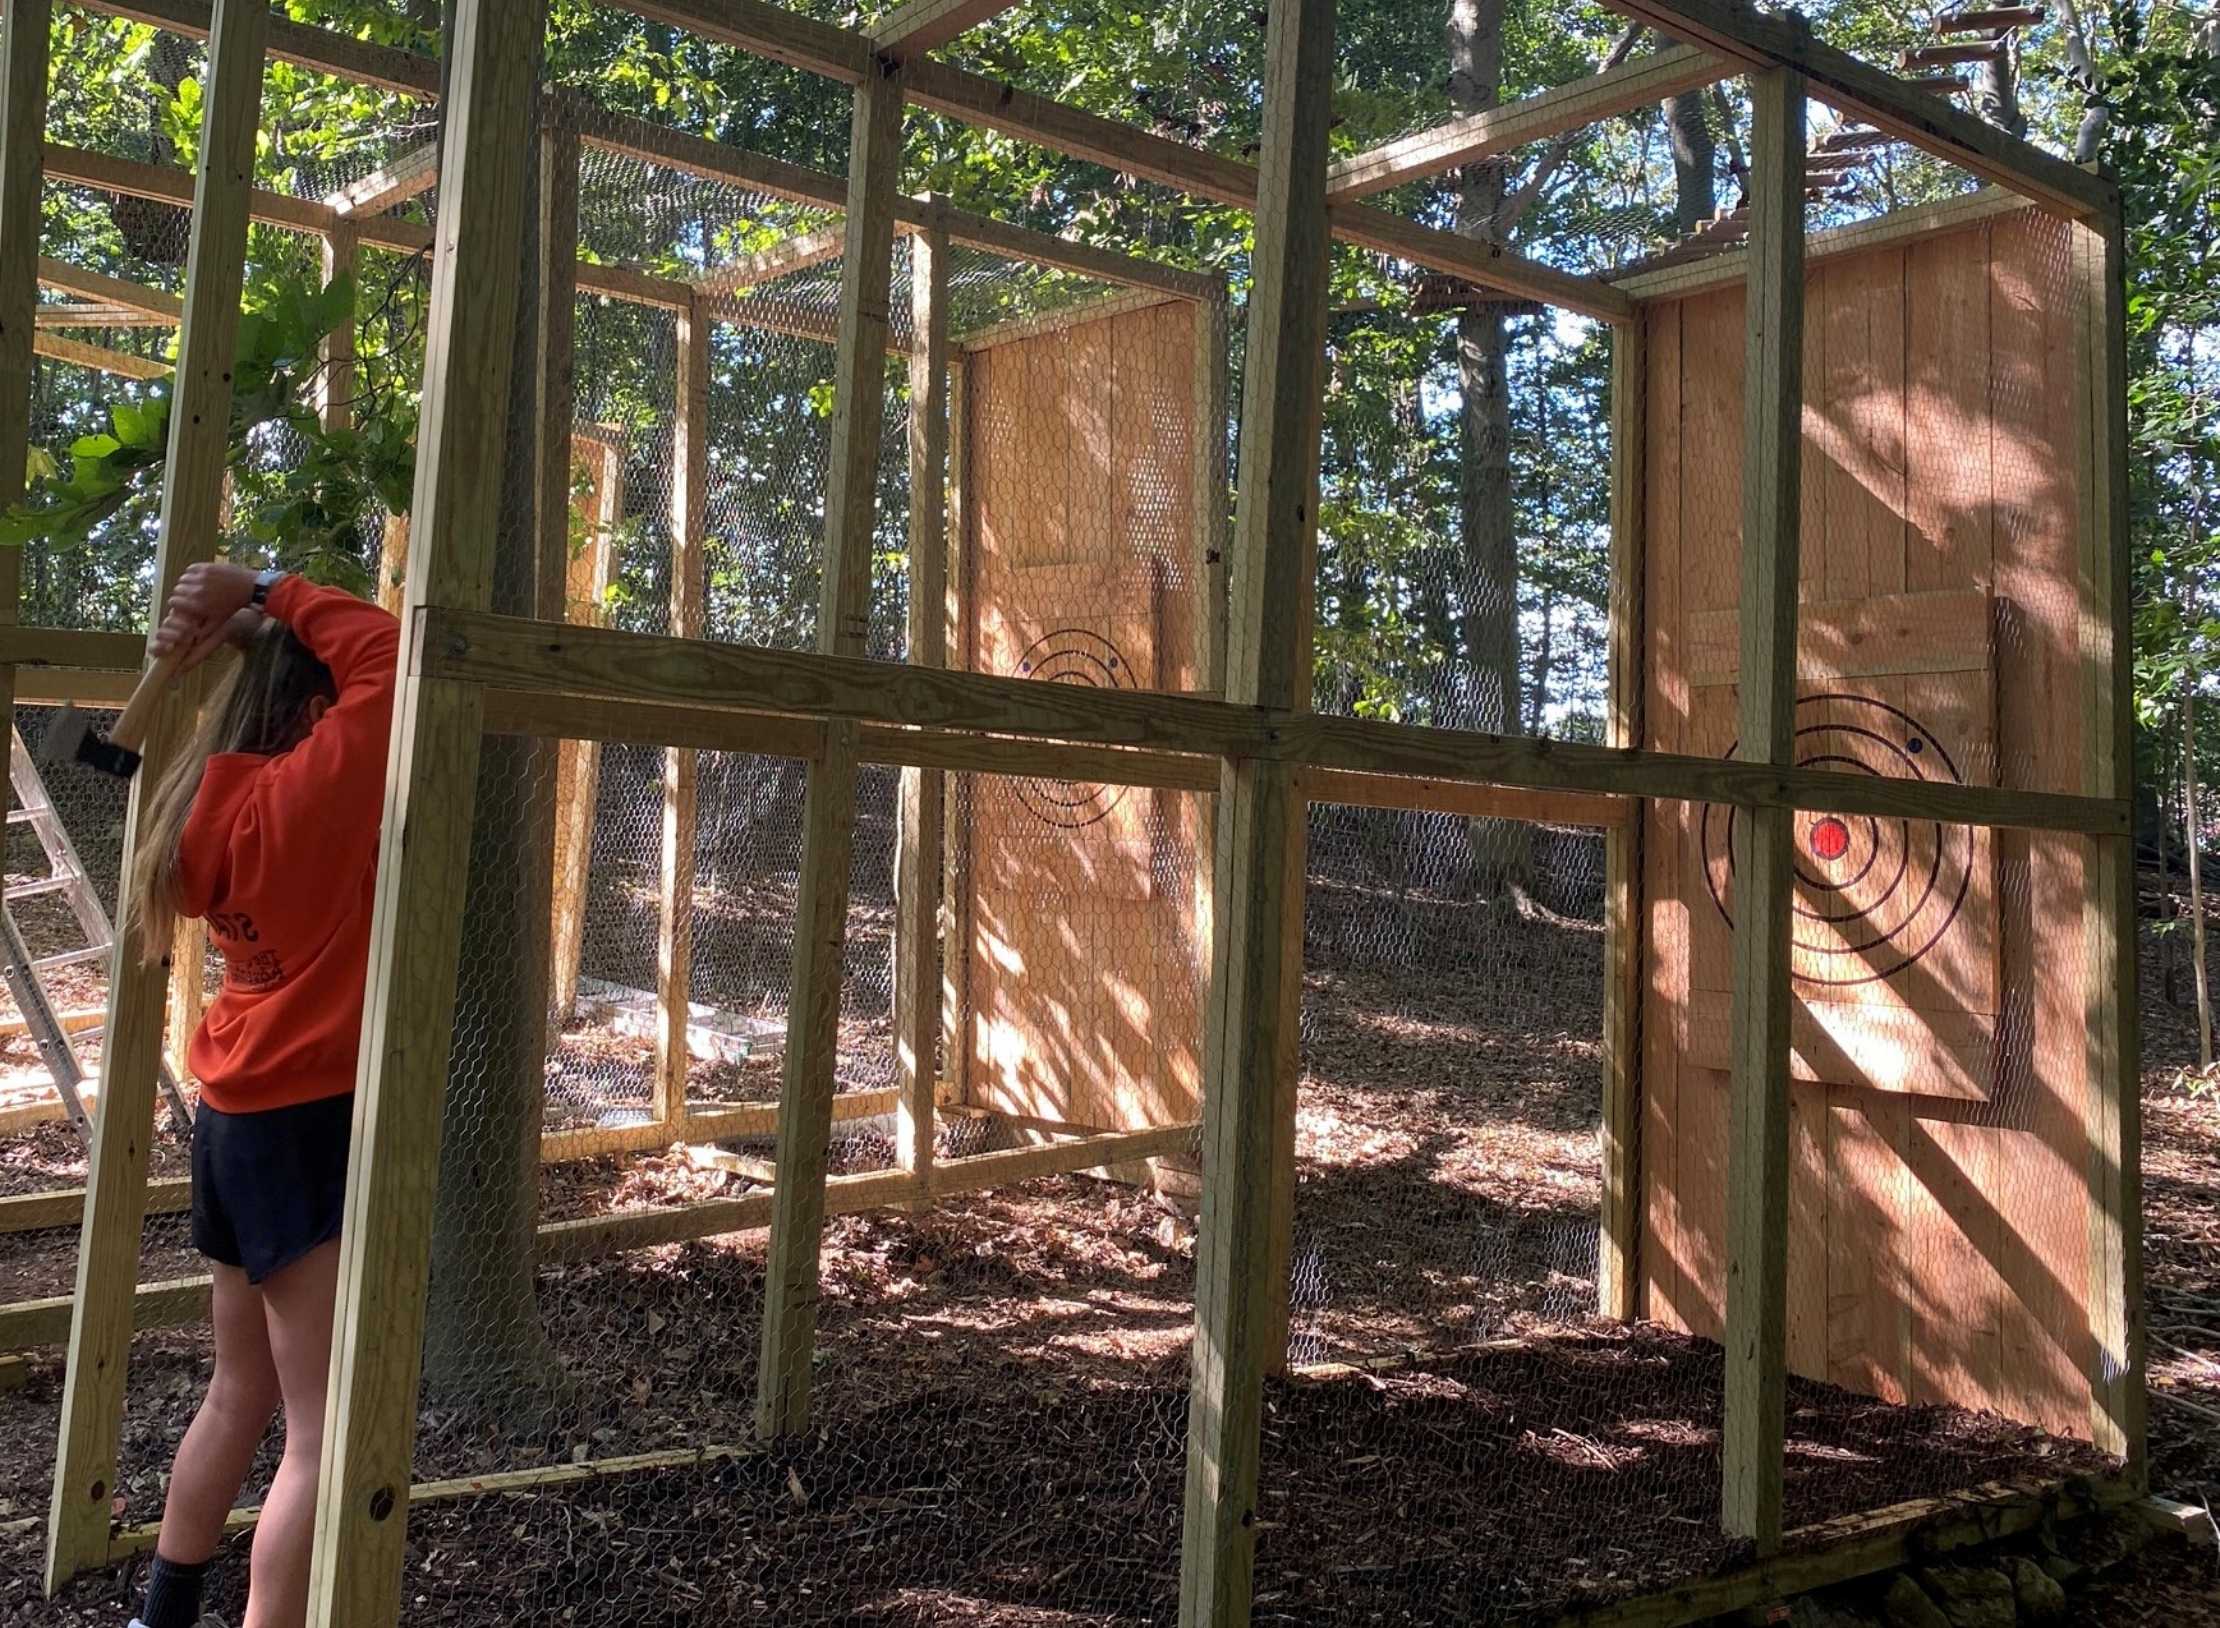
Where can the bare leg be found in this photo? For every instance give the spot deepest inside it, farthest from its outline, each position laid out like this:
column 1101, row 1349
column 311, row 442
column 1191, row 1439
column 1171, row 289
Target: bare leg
column 298, row 1303
column 219, row 1447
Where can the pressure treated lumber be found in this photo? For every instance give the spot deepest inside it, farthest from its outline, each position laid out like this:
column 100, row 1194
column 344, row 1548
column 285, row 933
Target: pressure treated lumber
column 303, row 44
column 1855, row 1546
column 839, row 53
column 192, row 496
column 1903, row 226
column 100, row 358
column 1618, row 1273
column 1254, row 1012
column 918, row 26
column 1764, row 880
column 829, row 798
column 1859, row 90
column 919, row 862
column 98, row 285
column 1642, row 83
column 431, row 787
column 674, row 932
column 2117, row 1393
column 706, row 684
column 391, row 184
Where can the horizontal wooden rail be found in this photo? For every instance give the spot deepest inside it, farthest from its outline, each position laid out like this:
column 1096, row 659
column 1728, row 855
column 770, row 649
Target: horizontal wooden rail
column 70, row 647
column 100, row 358
column 134, row 1540
column 302, row 44
column 1766, row 40
column 1905, row 226
column 30, row 1323
column 1642, row 83
column 93, row 687
column 1854, row 1546
column 33, row 1212
column 98, row 285
column 510, row 653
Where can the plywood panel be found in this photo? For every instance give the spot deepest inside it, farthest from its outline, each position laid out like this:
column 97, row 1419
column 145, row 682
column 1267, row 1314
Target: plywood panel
column 1084, row 923
column 1938, row 1225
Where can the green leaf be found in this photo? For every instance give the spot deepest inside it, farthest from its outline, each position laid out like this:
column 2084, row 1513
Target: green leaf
column 93, row 447
column 39, row 464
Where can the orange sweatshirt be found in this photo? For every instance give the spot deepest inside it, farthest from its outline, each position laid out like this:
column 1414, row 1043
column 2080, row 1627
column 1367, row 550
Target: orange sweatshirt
column 280, row 854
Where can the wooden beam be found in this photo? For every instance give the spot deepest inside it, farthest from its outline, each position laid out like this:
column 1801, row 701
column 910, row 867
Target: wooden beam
column 76, row 314
column 555, row 670
column 192, row 496
column 390, row 185
column 98, row 285
column 1765, row 40
column 1013, row 330
column 829, row 802
column 56, row 686
column 55, row 347
column 336, row 383
column 1491, row 265
column 1618, row 1272
column 1352, row 789
column 1900, row 228
column 71, row 647
column 163, row 183
column 797, row 253
column 1764, row 883
column 423, row 868
column 924, row 792
column 537, row 1481
column 918, row 26
column 1639, row 84
column 1255, row 1001
column 1853, row 1546
column 674, row 933
column 697, row 155
column 1212, row 494
column 768, row 31
column 303, row 44
column 2118, row 1391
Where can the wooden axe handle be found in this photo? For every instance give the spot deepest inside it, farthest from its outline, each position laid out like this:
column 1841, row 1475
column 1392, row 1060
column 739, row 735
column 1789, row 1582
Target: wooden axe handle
column 138, row 712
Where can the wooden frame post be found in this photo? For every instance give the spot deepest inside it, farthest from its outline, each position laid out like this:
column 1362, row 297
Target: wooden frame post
column 1255, row 989
column 1757, row 1171
column 957, row 651
column 554, row 457
column 2114, row 1115
column 431, row 792
column 335, row 385
column 1213, row 518
column 24, row 49
column 674, row 933
column 192, row 498
column 919, row 1002
column 1618, row 1267
column 829, row 811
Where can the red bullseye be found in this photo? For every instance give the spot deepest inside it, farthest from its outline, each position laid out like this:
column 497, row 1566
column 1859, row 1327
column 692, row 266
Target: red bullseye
column 1829, row 839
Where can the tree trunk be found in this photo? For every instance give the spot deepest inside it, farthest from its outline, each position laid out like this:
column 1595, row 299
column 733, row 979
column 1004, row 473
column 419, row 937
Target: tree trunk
column 1488, row 617
column 2197, row 976
column 484, row 1343
column 1695, row 160
column 1996, row 91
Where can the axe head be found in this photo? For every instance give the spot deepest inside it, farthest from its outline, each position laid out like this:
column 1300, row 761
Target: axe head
column 73, row 739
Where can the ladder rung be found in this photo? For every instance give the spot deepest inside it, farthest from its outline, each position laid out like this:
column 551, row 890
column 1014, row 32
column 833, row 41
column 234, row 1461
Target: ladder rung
column 29, row 816
column 45, row 884
column 71, row 958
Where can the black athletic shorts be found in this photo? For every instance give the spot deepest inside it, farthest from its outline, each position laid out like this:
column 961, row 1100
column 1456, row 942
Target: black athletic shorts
column 269, row 1187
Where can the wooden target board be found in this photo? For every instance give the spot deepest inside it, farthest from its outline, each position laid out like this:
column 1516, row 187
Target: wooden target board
column 1939, row 1126
column 1079, row 952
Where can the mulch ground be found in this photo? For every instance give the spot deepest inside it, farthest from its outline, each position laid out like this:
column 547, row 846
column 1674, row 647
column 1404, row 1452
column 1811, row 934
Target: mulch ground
column 1001, row 1391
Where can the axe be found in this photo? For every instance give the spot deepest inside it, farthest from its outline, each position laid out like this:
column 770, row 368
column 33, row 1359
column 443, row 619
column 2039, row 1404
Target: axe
column 74, row 739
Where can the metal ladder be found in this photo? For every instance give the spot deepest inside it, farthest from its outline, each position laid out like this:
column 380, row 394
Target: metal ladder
column 66, row 876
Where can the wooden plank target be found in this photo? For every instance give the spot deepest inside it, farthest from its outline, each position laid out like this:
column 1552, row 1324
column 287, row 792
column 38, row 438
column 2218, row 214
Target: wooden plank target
column 1082, row 919
column 1939, row 1092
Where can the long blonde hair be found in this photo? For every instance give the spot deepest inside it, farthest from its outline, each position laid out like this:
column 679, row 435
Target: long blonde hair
column 261, row 707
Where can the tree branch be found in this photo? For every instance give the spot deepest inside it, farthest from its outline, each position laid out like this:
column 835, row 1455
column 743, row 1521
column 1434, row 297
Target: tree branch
column 1553, row 159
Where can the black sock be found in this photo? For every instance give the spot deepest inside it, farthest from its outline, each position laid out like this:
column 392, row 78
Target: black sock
column 173, row 1594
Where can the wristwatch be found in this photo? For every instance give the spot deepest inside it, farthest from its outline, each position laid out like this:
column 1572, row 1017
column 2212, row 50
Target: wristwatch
column 264, row 581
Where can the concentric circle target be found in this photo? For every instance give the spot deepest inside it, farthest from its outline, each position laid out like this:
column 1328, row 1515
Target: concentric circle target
column 1873, row 893
column 1072, row 655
